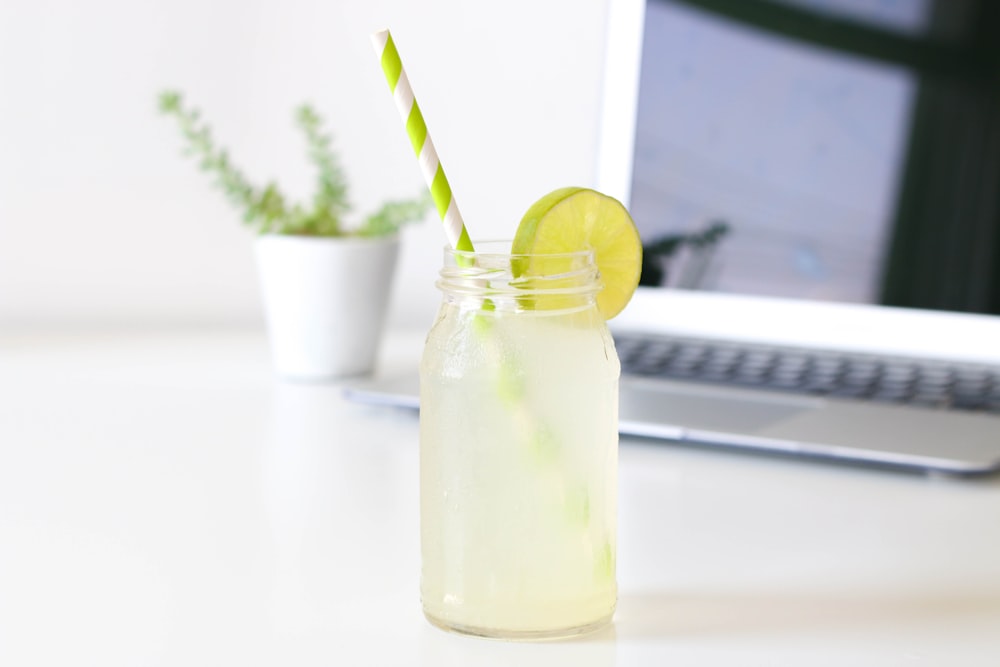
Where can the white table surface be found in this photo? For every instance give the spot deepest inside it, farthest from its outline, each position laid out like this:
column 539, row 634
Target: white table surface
column 164, row 500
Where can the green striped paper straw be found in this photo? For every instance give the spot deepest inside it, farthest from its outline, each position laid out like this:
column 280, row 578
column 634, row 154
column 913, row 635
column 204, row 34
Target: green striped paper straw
column 423, row 147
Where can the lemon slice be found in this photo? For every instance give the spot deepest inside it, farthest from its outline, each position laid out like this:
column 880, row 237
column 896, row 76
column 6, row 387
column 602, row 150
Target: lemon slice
column 574, row 219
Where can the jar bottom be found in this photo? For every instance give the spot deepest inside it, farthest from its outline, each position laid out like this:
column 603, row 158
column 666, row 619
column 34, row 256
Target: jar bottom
column 520, row 635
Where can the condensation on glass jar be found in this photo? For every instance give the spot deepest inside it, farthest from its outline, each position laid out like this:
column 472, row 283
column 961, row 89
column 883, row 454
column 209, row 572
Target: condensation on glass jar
column 518, row 448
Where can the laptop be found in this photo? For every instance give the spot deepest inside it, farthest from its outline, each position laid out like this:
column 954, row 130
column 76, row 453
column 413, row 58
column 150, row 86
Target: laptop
column 764, row 174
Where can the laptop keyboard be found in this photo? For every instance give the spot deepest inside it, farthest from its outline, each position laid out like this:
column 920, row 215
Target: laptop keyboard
column 933, row 384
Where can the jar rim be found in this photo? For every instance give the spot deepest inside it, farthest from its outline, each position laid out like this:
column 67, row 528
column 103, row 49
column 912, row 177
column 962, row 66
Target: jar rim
column 567, row 279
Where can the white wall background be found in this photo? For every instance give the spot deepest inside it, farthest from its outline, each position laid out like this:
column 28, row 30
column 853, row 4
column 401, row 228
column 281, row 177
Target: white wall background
column 104, row 223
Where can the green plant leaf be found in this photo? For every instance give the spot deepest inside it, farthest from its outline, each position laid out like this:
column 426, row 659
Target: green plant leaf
column 393, row 215
column 266, row 209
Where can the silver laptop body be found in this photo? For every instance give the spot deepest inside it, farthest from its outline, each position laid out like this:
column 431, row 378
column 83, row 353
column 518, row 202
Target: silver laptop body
column 799, row 150
column 892, row 427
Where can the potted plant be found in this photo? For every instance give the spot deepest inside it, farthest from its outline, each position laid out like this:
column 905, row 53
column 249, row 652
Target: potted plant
column 325, row 284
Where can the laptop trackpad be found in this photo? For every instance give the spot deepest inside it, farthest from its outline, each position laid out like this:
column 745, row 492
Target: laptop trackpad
column 722, row 409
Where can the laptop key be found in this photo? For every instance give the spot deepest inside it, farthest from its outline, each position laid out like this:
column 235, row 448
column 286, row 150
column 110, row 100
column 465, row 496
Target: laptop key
column 716, row 373
column 827, row 364
column 936, row 375
column 892, row 392
column 759, row 358
column 865, row 373
column 646, row 369
column 900, row 372
column 933, row 384
column 692, row 350
column 753, row 375
column 649, row 360
column 681, row 369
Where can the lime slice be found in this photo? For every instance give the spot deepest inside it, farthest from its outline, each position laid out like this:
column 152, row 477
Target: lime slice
column 573, row 219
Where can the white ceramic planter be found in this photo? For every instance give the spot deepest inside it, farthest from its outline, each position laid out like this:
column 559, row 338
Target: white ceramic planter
column 324, row 302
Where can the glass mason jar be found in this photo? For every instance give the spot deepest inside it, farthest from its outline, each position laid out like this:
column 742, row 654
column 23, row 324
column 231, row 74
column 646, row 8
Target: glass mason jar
column 518, row 448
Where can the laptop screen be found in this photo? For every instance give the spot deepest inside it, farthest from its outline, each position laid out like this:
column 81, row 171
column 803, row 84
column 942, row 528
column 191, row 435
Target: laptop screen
column 765, row 165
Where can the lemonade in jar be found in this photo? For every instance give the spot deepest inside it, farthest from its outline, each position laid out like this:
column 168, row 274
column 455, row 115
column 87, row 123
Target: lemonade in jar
column 519, row 432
